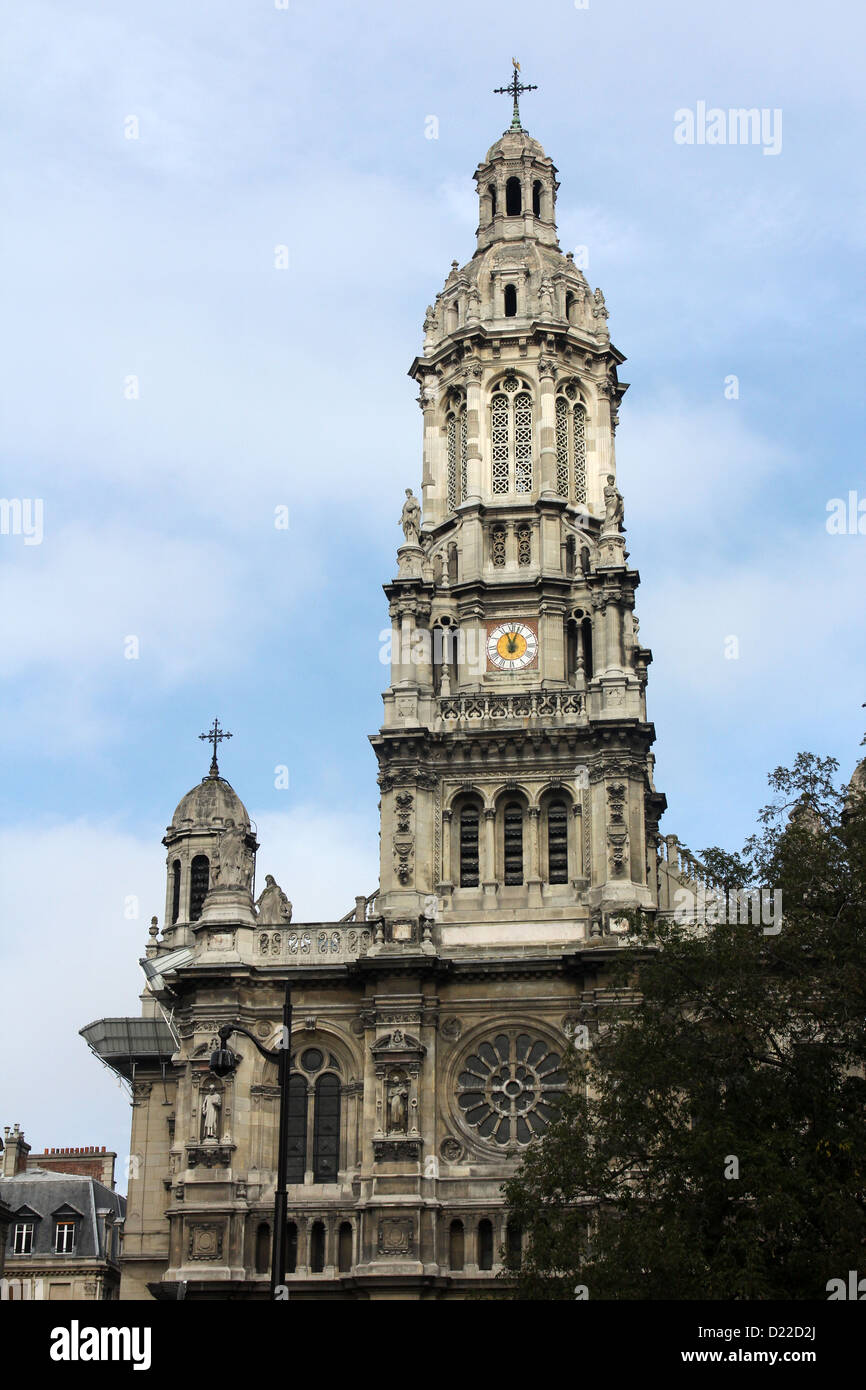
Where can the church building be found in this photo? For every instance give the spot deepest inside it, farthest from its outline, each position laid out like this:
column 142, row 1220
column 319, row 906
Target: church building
column 519, row 821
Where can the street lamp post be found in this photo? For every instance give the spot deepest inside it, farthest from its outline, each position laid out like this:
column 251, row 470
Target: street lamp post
column 222, row 1063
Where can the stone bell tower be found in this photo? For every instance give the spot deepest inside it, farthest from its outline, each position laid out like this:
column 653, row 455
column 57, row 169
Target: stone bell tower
column 514, row 758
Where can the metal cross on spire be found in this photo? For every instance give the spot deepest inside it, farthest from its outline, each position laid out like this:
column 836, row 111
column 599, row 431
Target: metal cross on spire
column 215, row 736
column 514, row 88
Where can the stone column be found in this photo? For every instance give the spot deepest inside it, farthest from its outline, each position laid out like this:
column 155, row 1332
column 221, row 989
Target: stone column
column 603, row 456
column 488, row 865
column 547, row 456
column 407, row 623
column 533, row 880
column 446, row 850
column 577, row 869
column 433, row 506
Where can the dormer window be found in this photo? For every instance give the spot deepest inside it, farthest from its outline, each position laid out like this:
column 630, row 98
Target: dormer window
column 510, row 301
column 513, row 198
column 64, row 1238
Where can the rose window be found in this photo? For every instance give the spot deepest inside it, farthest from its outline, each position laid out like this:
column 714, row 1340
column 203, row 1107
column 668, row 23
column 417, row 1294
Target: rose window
column 509, row 1088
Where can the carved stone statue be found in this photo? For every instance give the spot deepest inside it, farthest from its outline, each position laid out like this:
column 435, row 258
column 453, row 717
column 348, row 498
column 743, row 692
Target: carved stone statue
column 410, row 518
column 274, row 908
column 545, row 296
column 613, row 508
column 235, row 869
column 600, row 309
column 210, row 1115
column 398, row 1111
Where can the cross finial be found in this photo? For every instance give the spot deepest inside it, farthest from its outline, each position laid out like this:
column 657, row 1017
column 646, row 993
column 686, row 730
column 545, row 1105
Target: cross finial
column 215, row 736
column 514, row 88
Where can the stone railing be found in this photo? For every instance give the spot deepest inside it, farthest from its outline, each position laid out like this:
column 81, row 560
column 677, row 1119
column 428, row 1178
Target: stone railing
column 314, row 943
column 492, row 708
column 678, row 868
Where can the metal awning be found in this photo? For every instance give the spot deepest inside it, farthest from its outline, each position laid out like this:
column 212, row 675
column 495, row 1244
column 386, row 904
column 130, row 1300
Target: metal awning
column 126, row 1043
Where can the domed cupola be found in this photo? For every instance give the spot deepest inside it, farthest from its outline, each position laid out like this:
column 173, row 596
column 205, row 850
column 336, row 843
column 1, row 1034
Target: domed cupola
column 516, row 184
column 211, row 847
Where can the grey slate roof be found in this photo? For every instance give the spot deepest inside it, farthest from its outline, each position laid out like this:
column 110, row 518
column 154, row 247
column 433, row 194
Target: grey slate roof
column 42, row 1196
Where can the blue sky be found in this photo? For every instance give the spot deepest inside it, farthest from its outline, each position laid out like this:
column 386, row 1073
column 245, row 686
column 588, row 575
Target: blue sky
column 154, row 257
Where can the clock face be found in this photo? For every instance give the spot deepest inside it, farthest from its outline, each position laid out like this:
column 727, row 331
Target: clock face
column 511, row 646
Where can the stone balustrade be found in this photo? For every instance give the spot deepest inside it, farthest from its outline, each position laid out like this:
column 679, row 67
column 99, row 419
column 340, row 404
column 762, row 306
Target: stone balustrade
column 488, row 709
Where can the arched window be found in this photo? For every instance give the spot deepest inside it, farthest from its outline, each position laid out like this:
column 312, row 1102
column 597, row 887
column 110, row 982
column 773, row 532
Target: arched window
column 513, row 833
column 291, row 1247
column 469, row 847
column 455, row 1245
column 570, row 446
column 511, row 435
column 492, row 191
column 326, row 1129
column 455, row 429
column 263, row 1248
column 175, row 891
column 296, row 1161
column 536, row 198
column 317, row 1247
column 569, row 307
column 557, row 842
column 199, row 878
column 510, row 301
column 513, row 198
column 344, row 1247
column 485, row 1244
column 514, row 1244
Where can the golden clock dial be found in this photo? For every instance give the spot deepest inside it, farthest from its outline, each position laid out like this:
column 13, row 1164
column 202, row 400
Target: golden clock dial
column 511, row 646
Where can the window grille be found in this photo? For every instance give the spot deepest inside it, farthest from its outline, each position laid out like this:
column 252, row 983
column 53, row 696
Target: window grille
column 452, row 462
column 524, row 545
column 497, row 546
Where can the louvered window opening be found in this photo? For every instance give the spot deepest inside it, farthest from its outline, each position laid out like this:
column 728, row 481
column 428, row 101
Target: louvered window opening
column 469, row 848
column 513, row 829
column 557, row 842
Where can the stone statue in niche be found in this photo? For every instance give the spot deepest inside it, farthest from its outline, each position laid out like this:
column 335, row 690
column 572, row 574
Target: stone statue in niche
column 274, row 908
column 613, row 508
column 410, row 518
column 210, row 1114
column 545, row 296
column 234, row 869
column 398, row 1104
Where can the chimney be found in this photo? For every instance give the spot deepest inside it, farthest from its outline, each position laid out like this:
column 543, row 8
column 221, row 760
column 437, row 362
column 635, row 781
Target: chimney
column 15, row 1151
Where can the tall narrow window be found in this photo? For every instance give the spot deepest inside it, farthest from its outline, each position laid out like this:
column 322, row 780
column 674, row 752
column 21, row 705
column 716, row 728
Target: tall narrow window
column 536, row 198
column 513, row 198
column 570, row 446
column 175, row 891
column 455, row 1246
column 64, row 1238
column 344, row 1247
column 513, row 829
column 296, row 1162
column 511, row 438
column 485, row 1244
column 557, row 842
column 510, row 301
column 469, row 847
column 492, row 191
column 199, row 881
column 500, row 413
column 464, row 458
column 22, row 1243
column 586, row 630
column 451, row 433
column 514, row 1244
column 317, row 1247
column 291, row 1247
column 326, row 1129
column 263, row 1248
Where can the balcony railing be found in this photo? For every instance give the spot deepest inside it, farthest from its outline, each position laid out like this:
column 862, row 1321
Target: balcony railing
column 323, row 943
column 533, row 704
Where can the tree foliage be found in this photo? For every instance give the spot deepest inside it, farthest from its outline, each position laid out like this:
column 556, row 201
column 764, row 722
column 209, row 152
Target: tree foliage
column 711, row 1144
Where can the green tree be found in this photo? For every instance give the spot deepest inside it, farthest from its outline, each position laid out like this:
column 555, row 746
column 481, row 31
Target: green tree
column 712, row 1143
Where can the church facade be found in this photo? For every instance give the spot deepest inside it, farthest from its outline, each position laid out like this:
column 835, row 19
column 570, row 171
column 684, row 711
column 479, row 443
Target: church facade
column 519, row 820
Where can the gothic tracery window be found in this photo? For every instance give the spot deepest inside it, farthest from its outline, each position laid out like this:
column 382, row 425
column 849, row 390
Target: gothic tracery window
column 511, row 438
column 570, row 445
column 510, row 1086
